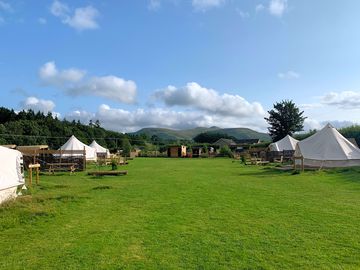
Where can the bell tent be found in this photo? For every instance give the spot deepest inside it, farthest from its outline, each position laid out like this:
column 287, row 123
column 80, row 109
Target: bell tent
column 11, row 175
column 74, row 144
column 287, row 143
column 328, row 148
column 99, row 149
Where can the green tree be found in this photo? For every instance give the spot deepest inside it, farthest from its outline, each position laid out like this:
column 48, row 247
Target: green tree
column 285, row 119
column 351, row 132
column 211, row 137
column 126, row 147
column 226, row 151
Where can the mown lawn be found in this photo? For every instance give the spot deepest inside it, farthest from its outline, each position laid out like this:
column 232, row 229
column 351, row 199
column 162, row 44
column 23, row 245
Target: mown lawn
column 186, row 214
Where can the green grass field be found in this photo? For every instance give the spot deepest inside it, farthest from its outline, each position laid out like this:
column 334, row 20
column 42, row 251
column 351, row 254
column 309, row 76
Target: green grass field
column 186, row 214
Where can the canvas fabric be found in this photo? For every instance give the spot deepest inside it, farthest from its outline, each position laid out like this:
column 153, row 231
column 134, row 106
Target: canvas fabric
column 74, row 144
column 99, row 149
column 328, row 148
column 287, row 143
column 11, row 175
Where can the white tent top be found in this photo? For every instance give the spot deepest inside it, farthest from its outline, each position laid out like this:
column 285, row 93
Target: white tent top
column 74, row 144
column 329, row 145
column 99, row 148
column 286, row 143
column 10, row 168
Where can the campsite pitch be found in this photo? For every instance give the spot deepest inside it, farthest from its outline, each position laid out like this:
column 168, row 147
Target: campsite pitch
column 186, row 214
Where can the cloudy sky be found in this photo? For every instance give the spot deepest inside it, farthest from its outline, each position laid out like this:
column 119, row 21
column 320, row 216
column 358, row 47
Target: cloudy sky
column 181, row 63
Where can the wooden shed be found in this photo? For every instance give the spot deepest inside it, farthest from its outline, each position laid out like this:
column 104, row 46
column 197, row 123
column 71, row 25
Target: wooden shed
column 196, row 151
column 176, row 151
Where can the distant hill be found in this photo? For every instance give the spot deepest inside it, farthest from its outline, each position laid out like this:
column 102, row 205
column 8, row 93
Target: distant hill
column 189, row 134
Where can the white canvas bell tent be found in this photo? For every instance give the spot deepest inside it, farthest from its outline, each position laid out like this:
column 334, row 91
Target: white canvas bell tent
column 74, row 144
column 328, row 148
column 99, row 149
column 11, row 176
column 287, row 143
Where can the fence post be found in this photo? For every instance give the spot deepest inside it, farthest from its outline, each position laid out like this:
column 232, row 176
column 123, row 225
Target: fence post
column 84, row 154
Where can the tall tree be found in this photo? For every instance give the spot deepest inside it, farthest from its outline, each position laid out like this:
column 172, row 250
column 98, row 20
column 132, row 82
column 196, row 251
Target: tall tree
column 285, row 119
column 126, row 147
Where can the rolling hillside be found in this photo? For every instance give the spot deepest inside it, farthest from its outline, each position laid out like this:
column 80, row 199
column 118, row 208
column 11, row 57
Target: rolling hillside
column 188, row 134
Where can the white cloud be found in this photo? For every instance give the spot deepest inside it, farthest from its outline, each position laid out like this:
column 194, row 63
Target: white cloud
column 203, row 5
column 277, row 7
column 81, row 115
column 50, row 75
column 289, row 75
column 343, row 100
column 311, row 124
column 128, row 121
column 42, row 21
column 4, row 6
column 194, row 96
column 341, row 124
column 259, row 8
column 73, row 82
column 310, row 106
column 154, row 4
column 59, row 9
column 110, row 87
column 243, row 14
column 36, row 104
column 82, row 18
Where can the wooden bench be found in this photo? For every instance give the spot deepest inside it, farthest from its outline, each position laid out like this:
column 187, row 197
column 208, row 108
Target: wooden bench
column 112, row 173
column 121, row 162
column 255, row 161
column 70, row 167
column 118, row 161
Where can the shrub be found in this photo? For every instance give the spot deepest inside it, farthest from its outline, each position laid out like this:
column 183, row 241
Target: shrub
column 113, row 165
column 225, row 151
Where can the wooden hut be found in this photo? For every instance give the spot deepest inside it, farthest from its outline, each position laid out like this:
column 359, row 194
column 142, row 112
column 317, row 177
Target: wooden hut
column 176, row 151
column 196, row 151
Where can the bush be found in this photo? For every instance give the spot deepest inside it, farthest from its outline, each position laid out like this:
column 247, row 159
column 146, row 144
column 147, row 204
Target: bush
column 225, row 151
column 113, row 165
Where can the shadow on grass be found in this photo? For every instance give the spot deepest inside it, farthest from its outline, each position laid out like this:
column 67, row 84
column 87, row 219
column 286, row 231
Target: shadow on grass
column 351, row 174
column 65, row 198
column 49, row 187
column 102, row 188
column 29, row 217
column 265, row 171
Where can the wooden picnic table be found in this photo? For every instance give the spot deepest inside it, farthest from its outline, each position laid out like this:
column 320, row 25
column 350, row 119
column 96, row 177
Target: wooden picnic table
column 62, row 166
column 256, row 161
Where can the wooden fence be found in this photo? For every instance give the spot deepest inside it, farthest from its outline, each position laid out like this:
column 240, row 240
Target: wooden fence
column 45, row 157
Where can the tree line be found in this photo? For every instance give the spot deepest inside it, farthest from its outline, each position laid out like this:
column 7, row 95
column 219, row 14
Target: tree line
column 34, row 128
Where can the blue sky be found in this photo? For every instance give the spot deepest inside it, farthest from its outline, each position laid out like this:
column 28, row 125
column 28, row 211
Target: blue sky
column 181, row 63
